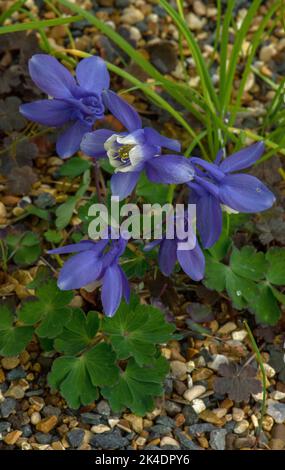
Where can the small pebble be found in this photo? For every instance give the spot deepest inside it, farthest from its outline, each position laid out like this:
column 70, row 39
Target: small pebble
column 198, row 405
column 241, row 427
column 194, row 392
column 218, row 439
column 75, row 437
column 169, row 441
column 100, row 428
column 238, row 414
column 277, row 411
column 10, row 362
column 218, row 359
column 35, row 418
column 178, row 369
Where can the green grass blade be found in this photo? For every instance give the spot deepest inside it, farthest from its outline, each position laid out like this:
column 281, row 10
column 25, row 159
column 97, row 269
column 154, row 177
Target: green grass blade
column 206, row 82
column 224, row 48
column 39, row 24
column 9, row 12
column 231, row 69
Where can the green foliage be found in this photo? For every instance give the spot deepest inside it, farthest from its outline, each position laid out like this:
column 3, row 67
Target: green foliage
column 93, row 357
column 49, row 310
column 64, row 211
column 78, row 377
column 24, row 248
column 118, row 355
column 136, row 330
column 13, row 339
column 137, row 386
column 73, row 167
column 78, row 332
column 249, row 280
column 151, row 192
column 53, row 236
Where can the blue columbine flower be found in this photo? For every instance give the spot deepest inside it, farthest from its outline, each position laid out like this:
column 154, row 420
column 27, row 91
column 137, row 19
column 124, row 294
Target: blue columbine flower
column 96, row 264
column 218, row 185
column 136, row 150
column 191, row 259
column 77, row 102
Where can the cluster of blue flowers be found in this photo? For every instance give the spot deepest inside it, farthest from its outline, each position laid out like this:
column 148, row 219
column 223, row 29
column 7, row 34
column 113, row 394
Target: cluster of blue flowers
column 77, row 103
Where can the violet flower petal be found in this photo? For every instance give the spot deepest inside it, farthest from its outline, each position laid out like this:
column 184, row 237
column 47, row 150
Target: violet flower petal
column 169, row 169
column 112, row 289
column 51, row 76
column 47, row 112
column 69, row 141
column 92, row 74
column 245, row 193
column 167, row 256
column 192, row 262
column 93, row 143
column 124, row 112
column 243, row 159
column 122, row 184
column 79, row 270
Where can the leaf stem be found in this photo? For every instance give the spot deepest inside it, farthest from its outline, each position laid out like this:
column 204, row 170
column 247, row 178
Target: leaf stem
column 263, row 374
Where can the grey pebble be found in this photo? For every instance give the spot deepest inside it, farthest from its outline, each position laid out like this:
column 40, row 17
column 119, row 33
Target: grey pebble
column 166, row 421
column 200, row 428
column 185, row 441
column 5, row 426
column 109, row 440
column 103, row 408
column 7, row 407
column 26, row 430
column 50, row 410
column 172, row 408
column 218, row 439
column 43, row 438
column 90, row 418
column 75, row 437
column 190, row 415
column 16, row 374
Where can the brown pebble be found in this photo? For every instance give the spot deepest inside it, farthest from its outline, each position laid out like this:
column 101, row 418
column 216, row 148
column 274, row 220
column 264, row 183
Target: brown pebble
column 57, row 445
column 203, row 442
column 210, row 417
column 201, row 374
column 10, row 363
column 2, row 376
column 47, row 424
column 179, row 420
column 12, row 437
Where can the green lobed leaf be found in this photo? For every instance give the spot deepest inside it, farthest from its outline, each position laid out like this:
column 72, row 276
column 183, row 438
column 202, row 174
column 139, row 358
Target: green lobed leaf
column 276, row 270
column 13, row 339
column 215, row 274
column 248, row 263
column 137, row 386
column 151, row 192
column 78, row 332
column 53, row 236
column 77, row 378
column 266, row 307
column 74, row 167
column 25, row 246
column 50, row 309
column 135, row 332
column 241, row 291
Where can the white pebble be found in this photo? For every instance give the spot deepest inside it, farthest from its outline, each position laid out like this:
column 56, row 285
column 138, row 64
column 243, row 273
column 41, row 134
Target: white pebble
column 194, row 392
column 238, row 414
column 218, row 359
column 241, row 427
column 198, row 405
column 239, row 335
